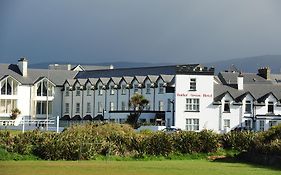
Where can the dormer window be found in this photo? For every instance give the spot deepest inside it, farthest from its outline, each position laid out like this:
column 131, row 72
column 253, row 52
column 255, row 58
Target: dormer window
column 136, row 88
column 44, row 88
column 6, row 87
column 123, row 89
column 148, row 87
column 100, row 90
column 226, row 107
column 111, row 90
column 270, row 107
column 248, row 107
column 161, row 88
column 88, row 90
column 67, row 91
column 78, row 92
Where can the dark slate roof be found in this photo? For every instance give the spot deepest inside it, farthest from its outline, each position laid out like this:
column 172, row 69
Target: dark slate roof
column 142, row 71
column 249, row 78
column 56, row 76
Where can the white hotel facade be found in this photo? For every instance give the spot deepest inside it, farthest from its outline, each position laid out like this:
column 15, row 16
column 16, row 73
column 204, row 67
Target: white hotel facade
column 190, row 97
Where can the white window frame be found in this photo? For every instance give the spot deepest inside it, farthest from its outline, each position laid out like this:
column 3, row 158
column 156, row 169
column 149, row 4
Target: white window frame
column 123, row 89
column 123, row 106
column 111, row 105
column 270, row 105
column 88, row 109
column 148, row 88
column 67, row 91
column 89, row 91
column 100, row 90
column 192, row 84
column 248, row 124
column 248, row 107
column 100, row 107
column 192, row 104
column 226, row 106
column 112, row 90
column 192, row 124
column 78, row 91
column 66, row 107
column 226, row 123
column 161, row 105
column 161, row 88
column 261, row 125
column 136, row 88
column 6, row 105
column 77, row 108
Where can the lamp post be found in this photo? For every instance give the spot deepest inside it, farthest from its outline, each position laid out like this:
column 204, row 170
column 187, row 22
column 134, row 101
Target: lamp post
column 173, row 112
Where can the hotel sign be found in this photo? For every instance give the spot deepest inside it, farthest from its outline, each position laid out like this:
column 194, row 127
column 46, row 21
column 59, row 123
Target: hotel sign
column 194, row 95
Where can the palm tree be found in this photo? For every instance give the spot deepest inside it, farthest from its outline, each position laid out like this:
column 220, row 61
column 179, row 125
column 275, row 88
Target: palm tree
column 138, row 103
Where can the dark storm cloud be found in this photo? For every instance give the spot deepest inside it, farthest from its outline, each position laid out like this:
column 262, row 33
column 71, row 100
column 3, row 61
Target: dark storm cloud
column 146, row 30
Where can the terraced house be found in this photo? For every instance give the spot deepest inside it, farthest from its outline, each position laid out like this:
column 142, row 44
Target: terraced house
column 190, row 97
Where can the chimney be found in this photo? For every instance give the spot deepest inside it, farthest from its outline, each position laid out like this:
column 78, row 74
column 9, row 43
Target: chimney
column 240, row 82
column 264, row 72
column 22, row 64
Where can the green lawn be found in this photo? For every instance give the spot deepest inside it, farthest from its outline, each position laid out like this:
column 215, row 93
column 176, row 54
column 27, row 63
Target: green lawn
column 173, row 167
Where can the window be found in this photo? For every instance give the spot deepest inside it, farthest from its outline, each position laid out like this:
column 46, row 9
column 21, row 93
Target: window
column 192, row 104
column 78, row 92
column 67, row 91
column 226, row 123
column 248, row 107
column 261, row 125
column 192, row 85
column 111, row 104
column 77, row 109
column 66, row 107
column 272, row 123
column 100, row 107
column 270, row 107
column 111, row 90
column 123, row 89
column 88, row 90
column 226, row 107
column 123, row 106
column 6, row 105
column 41, row 107
column 161, row 106
column 136, row 88
column 192, row 124
column 148, row 107
column 100, row 90
column 148, row 86
column 88, row 110
column 169, row 105
column 161, row 88
column 248, row 124
column 44, row 88
column 9, row 87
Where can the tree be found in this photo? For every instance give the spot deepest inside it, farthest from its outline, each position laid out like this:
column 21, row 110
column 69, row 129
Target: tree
column 137, row 103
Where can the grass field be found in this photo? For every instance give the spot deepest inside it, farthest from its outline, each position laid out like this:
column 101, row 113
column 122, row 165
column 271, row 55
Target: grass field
column 173, row 167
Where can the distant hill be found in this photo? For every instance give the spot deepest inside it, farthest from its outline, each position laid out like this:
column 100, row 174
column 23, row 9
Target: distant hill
column 249, row 64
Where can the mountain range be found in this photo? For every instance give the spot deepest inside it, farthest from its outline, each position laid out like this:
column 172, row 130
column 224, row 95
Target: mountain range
column 248, row 64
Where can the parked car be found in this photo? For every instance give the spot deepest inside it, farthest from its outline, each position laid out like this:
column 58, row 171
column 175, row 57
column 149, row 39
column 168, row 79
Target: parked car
column 170, row 130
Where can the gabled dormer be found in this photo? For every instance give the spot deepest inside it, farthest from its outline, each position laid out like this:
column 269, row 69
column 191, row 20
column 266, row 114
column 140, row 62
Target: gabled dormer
column 9, row 85
column 44, row 87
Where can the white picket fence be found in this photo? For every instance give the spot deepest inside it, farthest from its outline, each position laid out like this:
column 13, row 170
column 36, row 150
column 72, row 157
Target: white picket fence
column 44, row 124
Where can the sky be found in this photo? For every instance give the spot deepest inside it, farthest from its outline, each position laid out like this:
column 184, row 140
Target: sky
column 166, row 31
